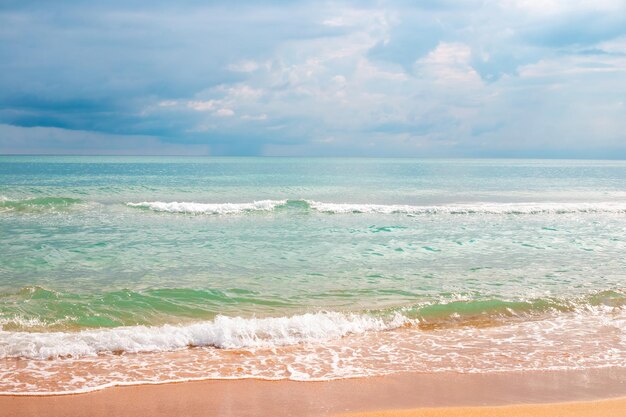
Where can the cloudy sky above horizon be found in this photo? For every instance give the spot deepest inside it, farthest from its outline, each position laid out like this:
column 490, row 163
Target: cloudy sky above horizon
column 432, row 78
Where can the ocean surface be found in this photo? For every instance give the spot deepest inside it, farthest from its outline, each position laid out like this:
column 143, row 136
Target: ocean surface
column 125, row 270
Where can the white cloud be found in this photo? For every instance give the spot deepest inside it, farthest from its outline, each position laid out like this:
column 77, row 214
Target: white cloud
column 225, row 112
column 614, row 46
column 572, row 65
column 554, row 7
column 257, row 117
column 333, row 91
column 244, row 66
column 334, row 22
column 202, row 105
column 331, row 88
column 449, row 63
column 242, row 92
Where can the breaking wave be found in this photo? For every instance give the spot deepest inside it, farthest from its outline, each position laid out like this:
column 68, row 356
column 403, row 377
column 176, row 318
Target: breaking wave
column 223, row 332
column 348, row 208
column 475, row 208
column 204, row 208
column 226, row 332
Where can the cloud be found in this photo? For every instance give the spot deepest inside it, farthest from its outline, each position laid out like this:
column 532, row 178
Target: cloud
column 433, row 78
column 246, row 65
column 52, row 140
column 257, row 117
column 449, row 63
column 225, row 112
column 198, row 105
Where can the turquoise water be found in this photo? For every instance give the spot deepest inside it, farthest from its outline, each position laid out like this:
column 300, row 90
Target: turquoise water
column 102, row 242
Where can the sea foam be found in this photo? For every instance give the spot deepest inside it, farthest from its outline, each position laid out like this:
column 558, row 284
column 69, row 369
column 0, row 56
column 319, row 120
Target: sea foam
column 208, row 208
column 474, row 208
column 569, row 341
column 223, row 332
column 350, row 208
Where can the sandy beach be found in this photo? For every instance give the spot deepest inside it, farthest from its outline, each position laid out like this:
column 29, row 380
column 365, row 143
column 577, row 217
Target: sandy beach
column 600, row 392
column 607, row 408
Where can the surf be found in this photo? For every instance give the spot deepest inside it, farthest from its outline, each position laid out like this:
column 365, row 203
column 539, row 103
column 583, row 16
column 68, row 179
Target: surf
column 486, row 208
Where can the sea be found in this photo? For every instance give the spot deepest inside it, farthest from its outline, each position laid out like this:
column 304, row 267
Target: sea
column 138, row 270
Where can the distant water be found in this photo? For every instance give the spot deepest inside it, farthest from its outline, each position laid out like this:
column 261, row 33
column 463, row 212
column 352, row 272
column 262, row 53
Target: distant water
column 129, row 270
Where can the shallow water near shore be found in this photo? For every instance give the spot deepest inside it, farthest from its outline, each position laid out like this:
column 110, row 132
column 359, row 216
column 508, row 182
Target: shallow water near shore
column 129, row 270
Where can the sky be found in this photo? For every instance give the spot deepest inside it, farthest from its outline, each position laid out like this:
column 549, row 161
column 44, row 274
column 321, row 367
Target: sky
column 431, row 78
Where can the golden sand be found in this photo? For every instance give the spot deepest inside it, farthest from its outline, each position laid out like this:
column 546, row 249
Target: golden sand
column 488, row 395
column 606, row 408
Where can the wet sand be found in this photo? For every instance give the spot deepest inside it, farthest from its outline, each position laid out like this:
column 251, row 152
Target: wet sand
column 554, row 394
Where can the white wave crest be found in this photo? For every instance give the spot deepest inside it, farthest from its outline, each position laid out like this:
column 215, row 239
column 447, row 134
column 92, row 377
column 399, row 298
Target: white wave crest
column 209, row 208
column 347, row 208
column 223, row 332
column 476, row 208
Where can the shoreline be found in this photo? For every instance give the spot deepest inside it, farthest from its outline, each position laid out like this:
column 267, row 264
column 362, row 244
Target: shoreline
column 410, row 394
